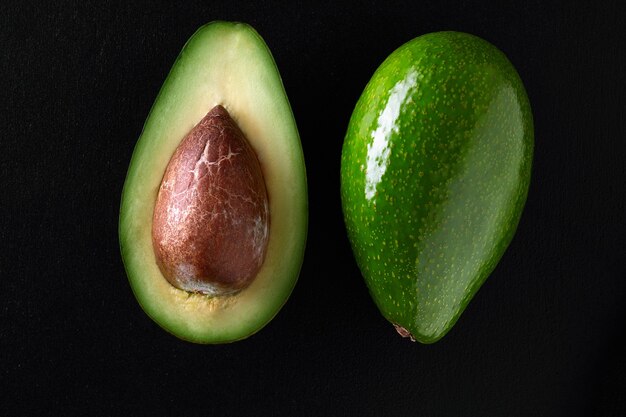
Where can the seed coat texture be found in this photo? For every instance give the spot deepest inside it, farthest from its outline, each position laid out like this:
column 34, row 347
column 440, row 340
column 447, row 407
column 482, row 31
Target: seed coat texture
column 211, row 218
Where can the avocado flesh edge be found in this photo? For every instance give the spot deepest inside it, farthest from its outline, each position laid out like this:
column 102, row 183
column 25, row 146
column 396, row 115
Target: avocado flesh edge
column 229, row 64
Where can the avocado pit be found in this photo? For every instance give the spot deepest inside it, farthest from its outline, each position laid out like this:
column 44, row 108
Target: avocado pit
column 211, row 219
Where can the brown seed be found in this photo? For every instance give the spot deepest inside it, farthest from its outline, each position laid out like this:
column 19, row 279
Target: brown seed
column 211, row 219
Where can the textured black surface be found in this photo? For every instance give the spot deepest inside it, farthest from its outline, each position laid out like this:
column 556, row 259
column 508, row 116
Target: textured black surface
column 542, row 337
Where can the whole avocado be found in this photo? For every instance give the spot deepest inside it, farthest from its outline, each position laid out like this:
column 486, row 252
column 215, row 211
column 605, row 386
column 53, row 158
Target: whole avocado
column 435, row 171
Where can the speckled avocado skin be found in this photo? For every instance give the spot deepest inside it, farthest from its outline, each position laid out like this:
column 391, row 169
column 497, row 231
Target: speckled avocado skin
column 435, row 171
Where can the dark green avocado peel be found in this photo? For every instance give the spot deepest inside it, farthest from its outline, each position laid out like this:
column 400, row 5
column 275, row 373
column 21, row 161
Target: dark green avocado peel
column 435, row 171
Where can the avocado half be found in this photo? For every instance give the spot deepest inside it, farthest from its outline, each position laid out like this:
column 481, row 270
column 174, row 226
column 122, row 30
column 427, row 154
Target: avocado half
column 225, row 64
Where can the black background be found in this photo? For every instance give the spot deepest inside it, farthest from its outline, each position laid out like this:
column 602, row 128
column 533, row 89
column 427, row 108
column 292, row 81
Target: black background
column 542, row 337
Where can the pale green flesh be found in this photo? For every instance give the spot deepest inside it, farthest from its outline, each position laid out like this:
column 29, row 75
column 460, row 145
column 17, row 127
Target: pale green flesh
column 228, row 64
column 435, row 171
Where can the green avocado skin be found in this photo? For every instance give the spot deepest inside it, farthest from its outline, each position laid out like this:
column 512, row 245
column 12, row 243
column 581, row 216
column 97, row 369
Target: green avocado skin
column 435, row 171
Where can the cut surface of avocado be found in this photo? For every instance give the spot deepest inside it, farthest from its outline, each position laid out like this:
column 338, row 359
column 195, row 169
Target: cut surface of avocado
column 225, row 64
